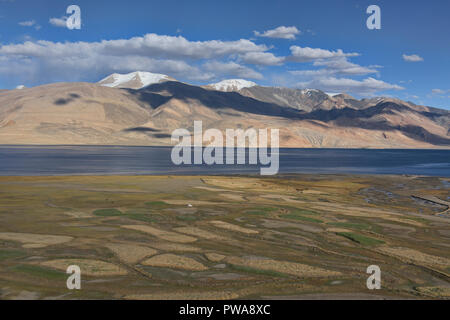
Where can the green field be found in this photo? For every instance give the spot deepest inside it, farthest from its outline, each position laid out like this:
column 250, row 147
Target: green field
column 243, row 237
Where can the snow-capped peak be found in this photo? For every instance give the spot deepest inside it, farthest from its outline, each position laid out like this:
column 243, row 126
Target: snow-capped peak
column 232, row 85
column 20, row 87
column 133, row 80
column 309, row 91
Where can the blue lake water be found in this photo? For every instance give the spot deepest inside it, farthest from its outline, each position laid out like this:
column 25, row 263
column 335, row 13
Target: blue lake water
column 114, row 160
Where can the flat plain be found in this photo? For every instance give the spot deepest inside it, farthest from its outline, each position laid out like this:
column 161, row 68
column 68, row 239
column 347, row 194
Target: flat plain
column 224, row 237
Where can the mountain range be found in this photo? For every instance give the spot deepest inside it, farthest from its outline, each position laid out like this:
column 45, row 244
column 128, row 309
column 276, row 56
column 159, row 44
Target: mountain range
column 143, row 108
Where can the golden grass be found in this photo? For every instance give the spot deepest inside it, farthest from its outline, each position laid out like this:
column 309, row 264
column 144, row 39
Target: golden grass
column 31, row 240
column 173, row 261
column 162, row 234
column 88, row 267
column 193, row 231
column 253, row 184
column 312, row 191
column 232, row 227
column 131, row 253
column 211, row 189
column 415, row 256
column 183, row 295
column 284, row 267
column 435, row 292
column 364, row 212
column 193, row 202
column 79, row 214
column 214, row 257
column 233, row 197
column 167, row 246
column 337, row 230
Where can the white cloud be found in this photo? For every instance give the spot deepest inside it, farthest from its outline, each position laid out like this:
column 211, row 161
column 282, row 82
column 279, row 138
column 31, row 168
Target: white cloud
column 306, row 54
column 178, row 47
column 281, row 32
column 412, row 58
column 46, row 61
column 368, row 86
column 262, row 58
column 339, row 66
column 58, row 22
column 29, row 23
column 37, row 62
column 232, row 69
column 333, row 67
column 151, row 45
column 345, row 67
column 440, row 91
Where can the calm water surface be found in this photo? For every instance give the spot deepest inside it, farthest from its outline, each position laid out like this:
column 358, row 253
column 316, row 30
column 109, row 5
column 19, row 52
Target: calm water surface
column 113, row 160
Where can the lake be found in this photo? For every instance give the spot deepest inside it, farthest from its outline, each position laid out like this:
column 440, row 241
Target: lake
column 116, row 160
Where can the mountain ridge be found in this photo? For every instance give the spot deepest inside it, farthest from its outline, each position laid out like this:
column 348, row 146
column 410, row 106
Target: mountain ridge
column 86, row 113
column 229, row 85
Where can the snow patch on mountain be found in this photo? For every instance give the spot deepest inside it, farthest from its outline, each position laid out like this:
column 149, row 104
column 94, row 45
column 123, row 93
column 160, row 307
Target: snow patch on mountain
column 137, row 80
column 232, row 85
column 309, row 92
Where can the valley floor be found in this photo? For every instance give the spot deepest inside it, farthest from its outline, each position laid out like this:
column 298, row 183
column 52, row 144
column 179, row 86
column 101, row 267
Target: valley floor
column 224, row 237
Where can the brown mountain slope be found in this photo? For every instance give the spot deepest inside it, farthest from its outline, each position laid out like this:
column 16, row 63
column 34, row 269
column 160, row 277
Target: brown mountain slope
column 306, row 100
column 66, row 113
column 83, row 113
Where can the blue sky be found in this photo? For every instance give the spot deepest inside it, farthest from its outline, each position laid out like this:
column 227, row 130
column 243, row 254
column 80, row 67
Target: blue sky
column 319, row 44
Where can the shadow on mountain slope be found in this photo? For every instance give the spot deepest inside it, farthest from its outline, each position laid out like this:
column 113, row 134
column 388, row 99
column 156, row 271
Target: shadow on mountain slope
column 370, row 118
column 381, row 108
column 157, row 94
column 367, row 119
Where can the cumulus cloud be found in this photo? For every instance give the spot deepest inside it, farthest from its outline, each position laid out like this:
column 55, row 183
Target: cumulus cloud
column 37, row 62
column 179, row 47
column 281, row 32
column 262, row 58
column 368, row 86
column 151, row 45
column 345, row 67
column 58, row 22
column 412, row 58
column 333, row 70
column 306, row 54
column 29, row 23
column 339, row 66
column 45, row 61
column 232, row 69
column 440, row 91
